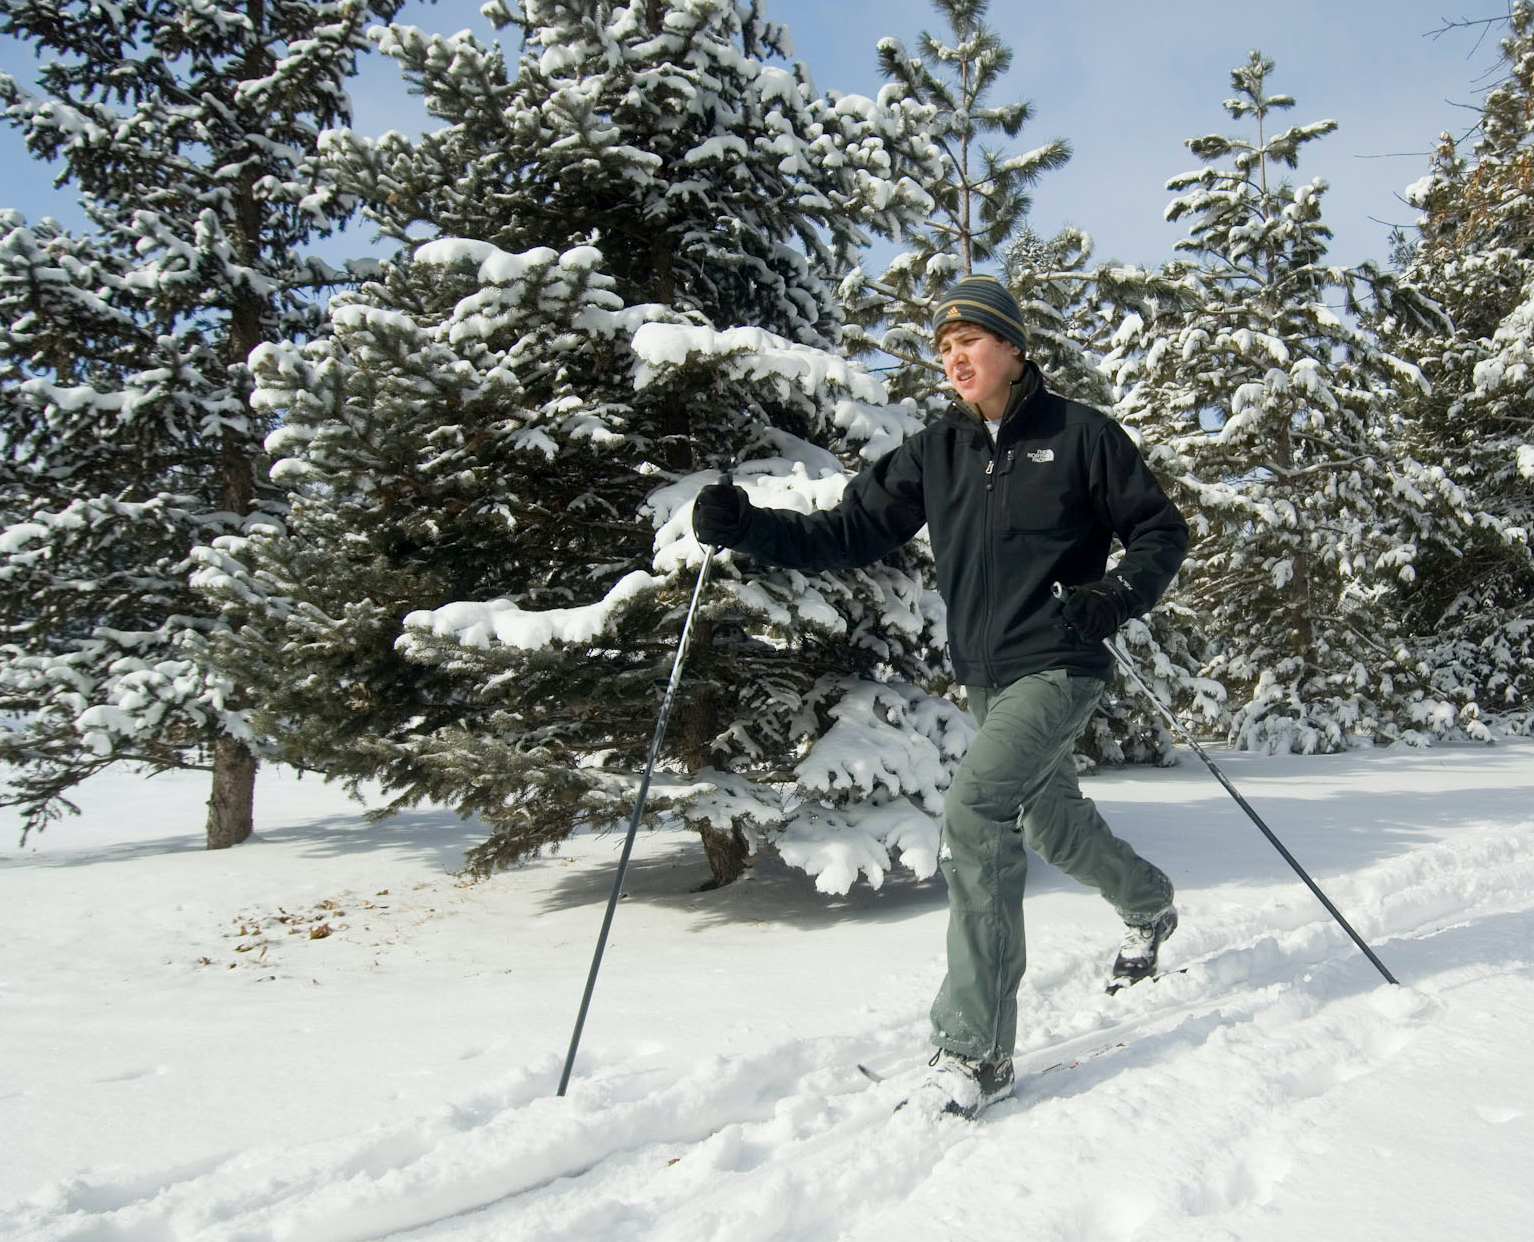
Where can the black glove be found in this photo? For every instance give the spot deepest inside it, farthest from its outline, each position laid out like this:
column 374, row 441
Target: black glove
column 1097, row 609
column 720, row 515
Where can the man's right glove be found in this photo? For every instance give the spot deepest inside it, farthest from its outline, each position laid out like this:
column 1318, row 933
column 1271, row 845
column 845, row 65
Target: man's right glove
column 1097, row 609
column 721, row 514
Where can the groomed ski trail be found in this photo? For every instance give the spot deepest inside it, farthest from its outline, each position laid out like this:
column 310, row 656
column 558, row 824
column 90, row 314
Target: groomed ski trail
column 1223, row 1073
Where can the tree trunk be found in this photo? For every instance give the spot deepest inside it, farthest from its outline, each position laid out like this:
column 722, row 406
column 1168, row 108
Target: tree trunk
column 231, row 809
column 1299, row 584
column 676, row 417
column 727, row 854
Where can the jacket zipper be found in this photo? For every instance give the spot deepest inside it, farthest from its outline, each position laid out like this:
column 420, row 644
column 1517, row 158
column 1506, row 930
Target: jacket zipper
column 990, row 568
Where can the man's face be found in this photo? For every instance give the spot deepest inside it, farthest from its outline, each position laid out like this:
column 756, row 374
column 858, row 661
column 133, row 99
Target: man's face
column 980, row 366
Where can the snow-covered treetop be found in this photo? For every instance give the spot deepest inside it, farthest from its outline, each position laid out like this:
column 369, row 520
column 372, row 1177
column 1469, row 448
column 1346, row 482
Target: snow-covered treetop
column 1237, row 212
column 668, row 134
column 138, row 86
column 983, row 196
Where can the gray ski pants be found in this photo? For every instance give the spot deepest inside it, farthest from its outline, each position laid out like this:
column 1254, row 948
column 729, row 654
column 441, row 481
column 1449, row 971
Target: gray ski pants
column 1015, row 789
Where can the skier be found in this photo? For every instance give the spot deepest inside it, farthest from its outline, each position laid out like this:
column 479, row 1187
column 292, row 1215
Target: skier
column 1020, row 489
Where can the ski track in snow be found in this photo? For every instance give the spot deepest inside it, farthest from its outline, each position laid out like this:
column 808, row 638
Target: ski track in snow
column 791, row 1141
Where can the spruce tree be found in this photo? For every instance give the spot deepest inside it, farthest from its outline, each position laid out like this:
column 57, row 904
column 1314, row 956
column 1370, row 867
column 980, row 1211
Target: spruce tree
column 980, row 191
column 1471, row 605
column 616, row 279
column 1274, row 418
column 188, row 131
column 984, row 197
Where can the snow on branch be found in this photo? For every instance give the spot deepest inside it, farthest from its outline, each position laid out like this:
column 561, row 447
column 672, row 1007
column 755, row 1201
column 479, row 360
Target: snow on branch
column 477, row 625
column 749, row 354
column 879, row 428
column 802, row 477
column 834, row 844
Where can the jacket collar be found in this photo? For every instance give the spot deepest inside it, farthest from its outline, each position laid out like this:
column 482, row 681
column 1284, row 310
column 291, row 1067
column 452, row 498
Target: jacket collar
column 1025, row 390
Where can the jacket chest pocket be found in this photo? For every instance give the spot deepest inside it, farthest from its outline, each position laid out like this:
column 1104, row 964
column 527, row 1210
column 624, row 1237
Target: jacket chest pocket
column 1036, row 491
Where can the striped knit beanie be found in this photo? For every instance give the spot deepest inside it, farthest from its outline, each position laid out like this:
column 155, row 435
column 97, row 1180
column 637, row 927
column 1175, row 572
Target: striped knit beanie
column 982, row 300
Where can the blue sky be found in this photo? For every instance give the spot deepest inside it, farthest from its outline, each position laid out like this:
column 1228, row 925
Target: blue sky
column 1126, row 82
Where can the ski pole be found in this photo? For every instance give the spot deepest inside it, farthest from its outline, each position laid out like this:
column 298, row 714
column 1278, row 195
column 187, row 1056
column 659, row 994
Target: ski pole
column 1133, row 673
column 644, row 791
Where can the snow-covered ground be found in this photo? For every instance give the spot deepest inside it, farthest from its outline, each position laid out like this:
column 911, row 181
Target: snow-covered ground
column 324, row 1035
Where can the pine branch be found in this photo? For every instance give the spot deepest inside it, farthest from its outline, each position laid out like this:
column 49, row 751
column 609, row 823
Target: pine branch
column 910, row 359
column 1467, row 23
column 1324, row 467
column 919, row 304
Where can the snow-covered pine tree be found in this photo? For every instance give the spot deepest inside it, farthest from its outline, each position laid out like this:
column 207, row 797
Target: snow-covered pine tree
column 983, row 197
column 981, row 194
column 1074, row 310
column 188, row 130
column 1065, row 297
column 1274, row 418
column 1472, row 603
column 617, row 279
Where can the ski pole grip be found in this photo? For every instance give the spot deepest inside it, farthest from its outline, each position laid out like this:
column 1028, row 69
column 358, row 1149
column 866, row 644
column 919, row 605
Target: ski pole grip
column 1057, row 589
column 728, row 479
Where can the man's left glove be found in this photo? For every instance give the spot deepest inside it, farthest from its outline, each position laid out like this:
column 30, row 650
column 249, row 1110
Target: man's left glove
column 1097, row 609
column 721, row 514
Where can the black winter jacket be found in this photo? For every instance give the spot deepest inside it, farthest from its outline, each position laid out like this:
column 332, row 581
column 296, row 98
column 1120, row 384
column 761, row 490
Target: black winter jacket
column 1006, row 522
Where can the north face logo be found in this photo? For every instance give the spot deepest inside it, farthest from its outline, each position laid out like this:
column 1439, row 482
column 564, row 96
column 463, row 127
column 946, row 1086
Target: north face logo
column 1042, row 455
